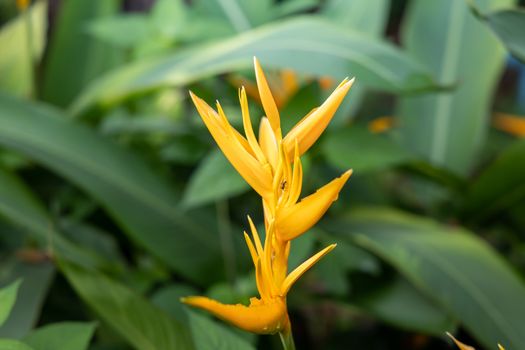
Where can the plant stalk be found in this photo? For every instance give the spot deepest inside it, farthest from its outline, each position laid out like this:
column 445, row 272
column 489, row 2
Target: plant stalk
column 287, row 339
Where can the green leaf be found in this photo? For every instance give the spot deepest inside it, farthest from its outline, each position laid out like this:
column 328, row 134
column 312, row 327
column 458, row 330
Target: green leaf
column 453, row 267
column 10, row 344
column 37, row 278
column 7, row 300
column 141, row 202
column 20, row 206
column 364, row 16
column 367, row 16
column 509, row 26
column 74, row 58
column 213, row 180
column 210, row 335
column 357, row 148
column 16, row 64
column 500, row 185
column 448, row 128
column 404, row 306
column 139, row 322
column 124, row 31
column 65, row 335
column 299, row 44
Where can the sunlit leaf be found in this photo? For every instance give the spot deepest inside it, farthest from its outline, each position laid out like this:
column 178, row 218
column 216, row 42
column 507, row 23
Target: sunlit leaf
column 448, row 128
column 299, row 44
column 16, row 64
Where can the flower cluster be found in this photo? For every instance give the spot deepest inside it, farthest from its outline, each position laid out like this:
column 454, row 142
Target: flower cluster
column 271, row 164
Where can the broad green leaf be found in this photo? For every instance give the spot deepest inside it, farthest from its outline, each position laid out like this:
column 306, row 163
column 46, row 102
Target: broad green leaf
column 74, row 58
column 452, row 266
column 368, row 17
column 213, row 180
column 7, row 300
column 299, row 44
column 448, row 128
column 140, row 323
column 11, row 344
column 509, row 26
column 168, row 299
column 357, row 148
column 16, row 62
column 500, row 186
column 124, row 31
column 22, row 208
column 65, row 335
column 36, row 281
column 210, row 335
column 141, row 202
column 404, row 306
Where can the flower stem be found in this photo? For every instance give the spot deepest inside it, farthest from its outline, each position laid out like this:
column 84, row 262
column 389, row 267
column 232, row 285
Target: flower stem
column 287, row 340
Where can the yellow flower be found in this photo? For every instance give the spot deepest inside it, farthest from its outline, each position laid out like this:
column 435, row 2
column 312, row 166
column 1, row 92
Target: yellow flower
column 271, row 165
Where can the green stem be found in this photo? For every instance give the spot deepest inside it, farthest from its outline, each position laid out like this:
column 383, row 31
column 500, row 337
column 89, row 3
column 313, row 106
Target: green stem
column 287, row 340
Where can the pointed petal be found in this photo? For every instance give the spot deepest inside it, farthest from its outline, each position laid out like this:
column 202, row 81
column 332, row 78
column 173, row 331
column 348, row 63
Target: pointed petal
column 301, row 269
column 268, row 142
column 265, row 317
column 295, row 220
column 500, row 347
column 257, row 176
column 297, row 178
column 251, row 248
column 269, row 106
column 248, row 129
column 308, row 130
column 460, row 344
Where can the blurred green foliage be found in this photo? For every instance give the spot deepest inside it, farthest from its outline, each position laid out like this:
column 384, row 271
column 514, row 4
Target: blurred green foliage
column 114, row 201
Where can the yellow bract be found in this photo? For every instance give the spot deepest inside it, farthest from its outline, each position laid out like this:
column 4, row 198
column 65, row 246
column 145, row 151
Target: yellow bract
column 271, row 165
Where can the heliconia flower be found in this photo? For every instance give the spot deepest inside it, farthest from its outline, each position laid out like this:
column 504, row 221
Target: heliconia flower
column 267, row 314
column 271, row 164
column 265, row 163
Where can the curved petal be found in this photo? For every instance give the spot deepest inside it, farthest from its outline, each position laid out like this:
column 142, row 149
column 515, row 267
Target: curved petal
column 301, row 269
column 262, row 317
column 267, row 100
column 308, row 130
column 268, row 142
column 257, row 175
column 295, row 220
